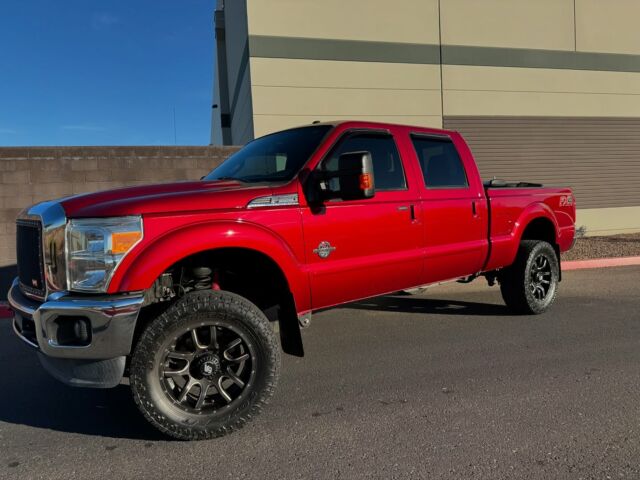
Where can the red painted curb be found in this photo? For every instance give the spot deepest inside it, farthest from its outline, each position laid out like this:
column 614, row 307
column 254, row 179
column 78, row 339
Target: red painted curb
column 5, row 311
column 600, row 263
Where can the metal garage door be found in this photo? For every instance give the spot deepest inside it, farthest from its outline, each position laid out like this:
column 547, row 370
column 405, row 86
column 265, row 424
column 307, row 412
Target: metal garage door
column 598, row 157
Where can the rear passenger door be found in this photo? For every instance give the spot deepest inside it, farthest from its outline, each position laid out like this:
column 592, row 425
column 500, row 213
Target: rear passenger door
column 454, row 211
column 362, row 248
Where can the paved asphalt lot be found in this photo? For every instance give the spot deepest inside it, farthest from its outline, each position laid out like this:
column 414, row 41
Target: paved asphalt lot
column 443, row 385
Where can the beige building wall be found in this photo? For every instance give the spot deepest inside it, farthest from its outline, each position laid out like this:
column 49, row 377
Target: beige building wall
column 606, row 172
column 507, row 91
column 609, row 221
column 288, row 91
column 540, row 24
column 608, row 26
column 429, row 62
column 405, row 21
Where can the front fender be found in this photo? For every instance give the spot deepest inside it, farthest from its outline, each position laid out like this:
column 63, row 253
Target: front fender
column 154, row 255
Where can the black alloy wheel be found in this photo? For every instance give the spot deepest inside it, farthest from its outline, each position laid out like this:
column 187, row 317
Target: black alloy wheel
column 206, row 366
column 530, row 285
column 540, row 277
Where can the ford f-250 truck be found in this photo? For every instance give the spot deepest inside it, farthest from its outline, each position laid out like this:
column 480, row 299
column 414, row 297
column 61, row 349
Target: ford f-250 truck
column 177, row 286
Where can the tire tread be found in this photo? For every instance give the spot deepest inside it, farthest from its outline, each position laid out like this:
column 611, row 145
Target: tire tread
column 229, row 304
column 513, row 284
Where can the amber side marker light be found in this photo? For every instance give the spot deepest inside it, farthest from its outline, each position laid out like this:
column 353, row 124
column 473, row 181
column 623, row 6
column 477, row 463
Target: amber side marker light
column 121, row 242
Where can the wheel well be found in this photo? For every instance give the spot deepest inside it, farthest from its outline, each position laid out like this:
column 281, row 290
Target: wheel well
column 246, row 272
column 543, row 229
column 540, row 229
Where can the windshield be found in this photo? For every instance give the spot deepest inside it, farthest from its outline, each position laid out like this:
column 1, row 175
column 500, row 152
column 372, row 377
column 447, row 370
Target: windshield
column 273, row 158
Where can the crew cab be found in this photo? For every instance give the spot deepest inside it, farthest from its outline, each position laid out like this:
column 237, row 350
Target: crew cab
column 179, row 286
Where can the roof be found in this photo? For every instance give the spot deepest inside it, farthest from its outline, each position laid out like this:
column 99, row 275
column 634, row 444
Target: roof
column 378, row 125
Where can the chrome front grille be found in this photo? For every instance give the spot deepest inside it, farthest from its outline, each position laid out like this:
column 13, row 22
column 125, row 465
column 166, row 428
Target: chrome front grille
column 40, row 249
column 30, row 257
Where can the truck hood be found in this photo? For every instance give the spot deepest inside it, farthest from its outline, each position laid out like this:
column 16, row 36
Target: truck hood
column 164, row 198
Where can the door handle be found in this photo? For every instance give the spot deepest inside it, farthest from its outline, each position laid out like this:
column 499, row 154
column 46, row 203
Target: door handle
column 473, row 208
column 412, row 208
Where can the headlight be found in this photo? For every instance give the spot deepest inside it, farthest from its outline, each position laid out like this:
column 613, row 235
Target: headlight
column 95, row 247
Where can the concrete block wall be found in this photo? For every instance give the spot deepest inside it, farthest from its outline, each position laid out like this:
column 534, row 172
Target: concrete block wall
column 33, row 174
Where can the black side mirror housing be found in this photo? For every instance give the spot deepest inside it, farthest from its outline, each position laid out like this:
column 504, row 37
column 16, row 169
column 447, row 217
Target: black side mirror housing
column 353, row 180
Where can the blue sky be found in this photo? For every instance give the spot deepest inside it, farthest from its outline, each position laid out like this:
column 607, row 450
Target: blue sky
column 88, row 72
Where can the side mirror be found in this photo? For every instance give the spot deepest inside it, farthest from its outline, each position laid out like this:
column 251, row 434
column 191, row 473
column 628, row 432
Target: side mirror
column 352, row 181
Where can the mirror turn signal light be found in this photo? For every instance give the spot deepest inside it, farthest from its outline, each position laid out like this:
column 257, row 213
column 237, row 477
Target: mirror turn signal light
column 366, row 181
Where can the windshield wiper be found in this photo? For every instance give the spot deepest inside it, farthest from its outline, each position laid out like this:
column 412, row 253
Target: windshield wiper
column 229, row 178
column 270, row 177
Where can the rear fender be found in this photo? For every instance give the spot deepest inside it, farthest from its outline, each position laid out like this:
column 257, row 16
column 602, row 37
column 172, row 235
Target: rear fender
column 531, row 213
column 504, row 249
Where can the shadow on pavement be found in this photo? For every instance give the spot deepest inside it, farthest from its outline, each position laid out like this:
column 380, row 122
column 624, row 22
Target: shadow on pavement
column 416, row 304
column 7, row 274
column 31, row 397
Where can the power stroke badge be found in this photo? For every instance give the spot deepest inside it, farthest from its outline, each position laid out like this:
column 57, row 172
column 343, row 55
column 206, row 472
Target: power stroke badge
column 324, row 249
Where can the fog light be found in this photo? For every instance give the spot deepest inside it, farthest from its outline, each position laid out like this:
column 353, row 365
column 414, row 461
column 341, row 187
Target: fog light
column 73, row 331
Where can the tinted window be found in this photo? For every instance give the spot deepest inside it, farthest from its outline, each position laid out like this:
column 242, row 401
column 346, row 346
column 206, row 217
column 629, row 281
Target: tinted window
column 440, row 163
column 274, row 158
column 387, row 166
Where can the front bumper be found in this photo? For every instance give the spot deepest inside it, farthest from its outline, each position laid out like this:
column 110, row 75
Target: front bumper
column 111, row 323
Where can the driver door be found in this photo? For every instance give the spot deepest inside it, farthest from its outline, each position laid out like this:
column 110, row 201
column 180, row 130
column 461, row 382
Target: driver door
column 362, row 248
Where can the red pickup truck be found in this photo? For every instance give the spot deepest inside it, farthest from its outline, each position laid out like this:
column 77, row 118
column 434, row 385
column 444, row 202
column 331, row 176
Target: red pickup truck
column 180, row 286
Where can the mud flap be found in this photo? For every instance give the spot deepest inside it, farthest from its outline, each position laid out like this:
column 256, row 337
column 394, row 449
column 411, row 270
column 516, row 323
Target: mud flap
column 290, row 336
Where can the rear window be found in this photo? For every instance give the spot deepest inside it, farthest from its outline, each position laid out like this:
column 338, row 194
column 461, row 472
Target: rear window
column 440, row 163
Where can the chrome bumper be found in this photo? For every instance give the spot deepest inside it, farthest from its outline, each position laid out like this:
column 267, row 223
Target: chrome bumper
column 112, row 320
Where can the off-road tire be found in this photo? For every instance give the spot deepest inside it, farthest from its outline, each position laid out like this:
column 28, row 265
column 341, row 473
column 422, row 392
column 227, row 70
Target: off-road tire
column 515, row 281
column 190, row 310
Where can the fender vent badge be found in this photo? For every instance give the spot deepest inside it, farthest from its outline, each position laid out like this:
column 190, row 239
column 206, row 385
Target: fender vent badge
column 324, row 249
column 288, row 199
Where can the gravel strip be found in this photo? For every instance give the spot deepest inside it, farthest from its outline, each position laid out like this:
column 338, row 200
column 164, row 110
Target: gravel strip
column 627, row 245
